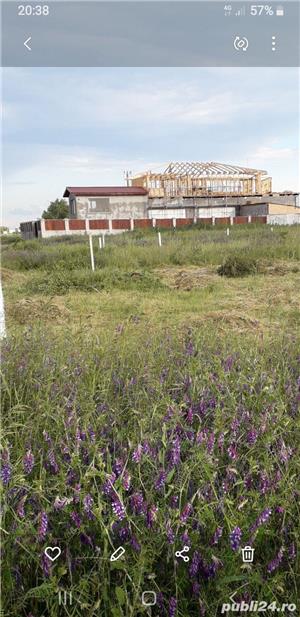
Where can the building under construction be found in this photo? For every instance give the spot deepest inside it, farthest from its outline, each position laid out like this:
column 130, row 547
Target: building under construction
column 196, row 179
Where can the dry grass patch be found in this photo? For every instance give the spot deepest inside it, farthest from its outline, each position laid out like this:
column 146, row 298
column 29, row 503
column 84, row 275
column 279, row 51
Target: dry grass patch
column 29, row 310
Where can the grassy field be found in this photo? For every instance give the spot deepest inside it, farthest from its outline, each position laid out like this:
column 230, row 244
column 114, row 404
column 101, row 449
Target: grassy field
column 152, row 404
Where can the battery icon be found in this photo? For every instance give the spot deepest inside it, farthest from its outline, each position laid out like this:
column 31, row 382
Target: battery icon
column 280, row 11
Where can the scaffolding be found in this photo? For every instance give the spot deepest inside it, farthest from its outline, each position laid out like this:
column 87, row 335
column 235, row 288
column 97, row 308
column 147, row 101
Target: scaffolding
column 194, row 179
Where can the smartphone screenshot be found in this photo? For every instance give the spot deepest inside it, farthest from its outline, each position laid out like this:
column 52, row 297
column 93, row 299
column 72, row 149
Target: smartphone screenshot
column 150, row 321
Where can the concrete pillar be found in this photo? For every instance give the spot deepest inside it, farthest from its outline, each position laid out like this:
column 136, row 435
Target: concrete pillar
column 153, row 222
column 87, row 226
column 231, row 220
column 43, row 228
column 174, row 222
column 67, row 227
column 109, row 226
column 213, row 220
column 249, row 219
column 195, row 220
column 131, row 224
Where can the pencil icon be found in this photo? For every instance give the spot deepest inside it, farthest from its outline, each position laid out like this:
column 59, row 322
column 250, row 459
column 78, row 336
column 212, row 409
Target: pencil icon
column 117, row 554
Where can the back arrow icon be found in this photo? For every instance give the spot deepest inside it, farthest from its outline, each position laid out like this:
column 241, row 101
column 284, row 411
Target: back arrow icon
column 26, row 45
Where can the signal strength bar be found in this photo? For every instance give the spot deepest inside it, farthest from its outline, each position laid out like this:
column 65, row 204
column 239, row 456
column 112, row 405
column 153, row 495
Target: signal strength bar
column 241, row 12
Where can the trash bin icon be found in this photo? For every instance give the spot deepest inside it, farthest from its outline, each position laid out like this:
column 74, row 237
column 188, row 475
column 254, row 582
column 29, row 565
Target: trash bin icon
column 247, row 554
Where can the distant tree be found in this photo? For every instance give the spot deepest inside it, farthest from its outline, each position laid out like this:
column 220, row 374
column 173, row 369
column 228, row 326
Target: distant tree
column 57, row 209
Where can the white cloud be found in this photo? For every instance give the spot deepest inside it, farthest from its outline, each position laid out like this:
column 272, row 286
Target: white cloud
column 267, row 153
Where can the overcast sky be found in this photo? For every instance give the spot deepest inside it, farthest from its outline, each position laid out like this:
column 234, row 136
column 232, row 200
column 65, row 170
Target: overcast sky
column 86, row 126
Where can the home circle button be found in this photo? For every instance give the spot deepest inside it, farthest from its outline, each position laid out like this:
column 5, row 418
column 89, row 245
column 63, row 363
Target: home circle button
column 148, row 598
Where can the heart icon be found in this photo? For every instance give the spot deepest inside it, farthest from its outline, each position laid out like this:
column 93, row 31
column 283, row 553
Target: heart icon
column 52, row 552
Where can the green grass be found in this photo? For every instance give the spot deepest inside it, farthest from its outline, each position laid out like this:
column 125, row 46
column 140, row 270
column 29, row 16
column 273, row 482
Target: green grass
column 153, row 350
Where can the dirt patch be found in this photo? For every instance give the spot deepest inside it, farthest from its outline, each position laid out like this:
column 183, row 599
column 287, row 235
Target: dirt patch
column 27, row 310
column 222, row 321
column 8, row 275
column 188, row 278
column 280, row 268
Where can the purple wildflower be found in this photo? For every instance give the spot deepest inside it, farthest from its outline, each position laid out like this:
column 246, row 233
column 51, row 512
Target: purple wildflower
column 137, row 503
column 279, row 510
column 107, row 487
column 185, row 538
column 172, row 607
column 232, row 452
column 217, row 535
column 252, row 437
column 88, row 504
column 170, row 533
column 76, row 519
column 195, row 563
column 235, row 538
column 151, row 516
column 137, row 454
column 285, row 452
column 190, row 415
column 210, row 443
column 47, row 437
column 228, row 364
column 92, row 434
column 53, row 464
column 174, row 502
column 261, row 519
column 6, row 473
column 61, row 502
column 77, row 489
column 160, row 600
column 118, row 509
column 275, row 563
column 124, row 533
column 46, row 565
column 28, row 462
column 43, row 526
column 126, row 480
column 195, row 588
column 221, row 441
column 118, row 466
column 20, row 507
column 201, row 437
column 135, row 544
column 186, row 512
column 85, row 539
column 264, row 483
column 175, row 452
column 169, row 414
column 160, row 480
column 292, row 551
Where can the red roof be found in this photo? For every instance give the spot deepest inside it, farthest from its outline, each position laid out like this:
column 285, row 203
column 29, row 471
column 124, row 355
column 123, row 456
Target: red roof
column 104, row 191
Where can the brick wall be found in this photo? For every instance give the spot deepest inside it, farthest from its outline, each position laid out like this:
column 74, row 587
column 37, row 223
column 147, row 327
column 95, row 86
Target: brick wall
column 57, row 227
column 204, row 220
column 222, row 220
column 180, row 222
column 75, row 224
column 98, row 224
column 142, row 223
column 121, row 223
column 54, row 224
column 164, row 222
column 240, row 220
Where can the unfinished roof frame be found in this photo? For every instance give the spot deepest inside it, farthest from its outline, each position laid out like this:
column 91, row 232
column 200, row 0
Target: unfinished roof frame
column 195, row 179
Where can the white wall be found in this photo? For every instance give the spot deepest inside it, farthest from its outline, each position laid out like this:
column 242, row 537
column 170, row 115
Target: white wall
column 283, row 219
column 170, row 213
